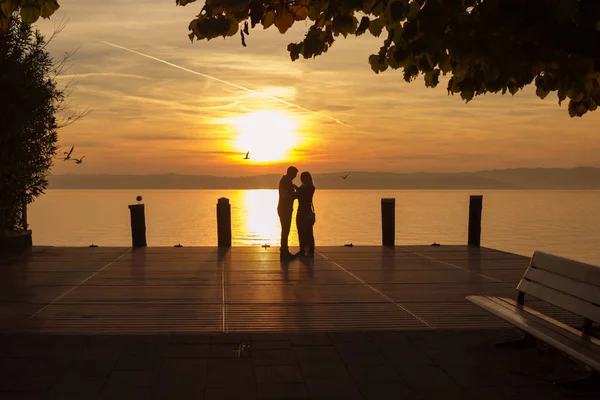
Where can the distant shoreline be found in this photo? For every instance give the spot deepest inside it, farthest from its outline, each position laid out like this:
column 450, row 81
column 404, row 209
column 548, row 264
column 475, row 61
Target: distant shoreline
column 581, row 178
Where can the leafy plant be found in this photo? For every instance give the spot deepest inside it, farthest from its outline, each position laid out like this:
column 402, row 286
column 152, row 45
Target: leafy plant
column 28, row 127
column 29, row 10
column 483, row 45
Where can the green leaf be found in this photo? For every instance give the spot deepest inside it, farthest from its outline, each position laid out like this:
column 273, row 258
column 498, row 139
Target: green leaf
column 314, row 11
column 376, row 26
column 30, row 14
column 467, row 94
column 284, row 21
column 414, row 9
column 233, row 27
column 363, row 26
column 268, row 19
column 344, row 24
column 48, row 7
column 301, row 13
column 541, row 92
column 432, row 78
column 377, row 63
column 8, row 7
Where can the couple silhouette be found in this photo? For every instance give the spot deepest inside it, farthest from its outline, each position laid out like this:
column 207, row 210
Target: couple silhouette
column 305, row 215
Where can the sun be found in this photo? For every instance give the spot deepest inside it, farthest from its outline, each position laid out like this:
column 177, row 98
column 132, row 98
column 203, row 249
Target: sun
column 267, row 135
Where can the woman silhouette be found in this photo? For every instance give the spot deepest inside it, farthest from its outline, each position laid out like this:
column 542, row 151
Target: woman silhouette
column 305, row 216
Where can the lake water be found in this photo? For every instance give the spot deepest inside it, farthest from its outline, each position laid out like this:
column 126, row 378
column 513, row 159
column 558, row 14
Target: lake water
column 566, row 223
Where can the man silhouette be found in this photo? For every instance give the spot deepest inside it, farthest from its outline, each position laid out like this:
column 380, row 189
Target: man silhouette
column 285, row 208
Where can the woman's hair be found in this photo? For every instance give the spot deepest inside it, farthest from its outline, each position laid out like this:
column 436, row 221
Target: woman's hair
column 306, row 177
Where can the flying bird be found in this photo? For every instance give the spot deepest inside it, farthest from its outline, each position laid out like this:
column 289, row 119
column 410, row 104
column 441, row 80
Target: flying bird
column 345, row 176
column 247, row 156
column 79, row 160
column 68, row 154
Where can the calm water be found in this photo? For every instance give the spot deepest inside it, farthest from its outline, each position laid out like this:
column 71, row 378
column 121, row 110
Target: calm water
column 566, row 223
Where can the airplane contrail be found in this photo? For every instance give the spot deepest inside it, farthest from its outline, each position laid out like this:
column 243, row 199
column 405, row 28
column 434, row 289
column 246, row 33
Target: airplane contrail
column 214, row 78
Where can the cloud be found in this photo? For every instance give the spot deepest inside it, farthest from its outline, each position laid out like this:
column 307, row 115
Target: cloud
column 149, row 108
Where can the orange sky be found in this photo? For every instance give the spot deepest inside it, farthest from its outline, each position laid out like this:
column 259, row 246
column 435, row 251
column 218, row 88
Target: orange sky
column 149, row 117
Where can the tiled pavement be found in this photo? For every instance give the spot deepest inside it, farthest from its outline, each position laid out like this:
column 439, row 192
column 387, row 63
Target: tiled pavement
column 338, row 365
column 359, row 323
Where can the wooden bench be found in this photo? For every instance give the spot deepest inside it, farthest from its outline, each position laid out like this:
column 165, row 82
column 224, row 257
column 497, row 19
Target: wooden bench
column 568, row 284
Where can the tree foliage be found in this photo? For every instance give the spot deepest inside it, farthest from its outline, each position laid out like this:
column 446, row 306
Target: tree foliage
column 29, row 102
column 482, row 45
column 29, row 10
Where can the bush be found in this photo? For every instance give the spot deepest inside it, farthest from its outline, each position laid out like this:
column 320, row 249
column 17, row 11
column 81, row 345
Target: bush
column 29, row 101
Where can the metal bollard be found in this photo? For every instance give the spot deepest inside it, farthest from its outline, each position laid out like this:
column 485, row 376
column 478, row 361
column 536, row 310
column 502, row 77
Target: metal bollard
column 475, row 207
column 223, row 222
column 138, row 225
column 388, row 222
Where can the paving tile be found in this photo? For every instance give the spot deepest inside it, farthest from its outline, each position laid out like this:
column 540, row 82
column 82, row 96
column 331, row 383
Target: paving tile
column 138, row 362
column 331, row 388
column 150, row 345
column 274, row 357
column 77, row 386
column 421, row 380
column 316, row 353
column 281, row 391
column 360, row 353
column 362, row 373
column 323, row 369
column 23, row 395
column 388, row 391
column 382, row 337
column 271, row 345
column 223, row 350
column 277, row 374
column 230, row 338
column 90, row 368
column 97, row 352
column 29, row 380
column 311, row 339
column 187, row 392
column 349, row 337
column 134, row 379
column 230, row 393
column 182, row 372
column 230, row 372
column 112, row 392
column 185, row 350
column 401, row 352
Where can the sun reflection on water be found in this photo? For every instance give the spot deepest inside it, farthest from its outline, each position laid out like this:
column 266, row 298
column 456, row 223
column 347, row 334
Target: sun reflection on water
column 260, row 220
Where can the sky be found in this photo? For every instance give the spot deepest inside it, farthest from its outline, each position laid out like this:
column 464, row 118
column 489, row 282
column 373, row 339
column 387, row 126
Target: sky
column 209, row 103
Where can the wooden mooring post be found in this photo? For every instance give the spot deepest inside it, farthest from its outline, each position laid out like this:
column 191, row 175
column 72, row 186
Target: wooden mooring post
column 388, row 222
column 475, row 207
column 138, row 225
column 224, row 222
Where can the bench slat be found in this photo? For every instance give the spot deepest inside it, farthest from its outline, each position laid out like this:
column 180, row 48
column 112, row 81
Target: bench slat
column 560, row 326
column 564, row 284
column 563, row 266
column 562, row 300
column 574, row 346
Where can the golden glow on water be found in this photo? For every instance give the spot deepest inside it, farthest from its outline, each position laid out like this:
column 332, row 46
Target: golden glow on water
column 260, row 216
column 268, row 135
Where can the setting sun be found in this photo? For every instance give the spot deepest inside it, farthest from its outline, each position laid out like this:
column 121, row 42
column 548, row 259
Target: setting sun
column 267, row 135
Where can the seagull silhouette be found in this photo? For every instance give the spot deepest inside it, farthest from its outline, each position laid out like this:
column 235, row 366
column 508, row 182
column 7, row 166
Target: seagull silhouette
column 68, row 154
column 79, row 160
column 247, row 156
column 345, row 176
